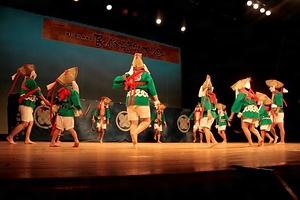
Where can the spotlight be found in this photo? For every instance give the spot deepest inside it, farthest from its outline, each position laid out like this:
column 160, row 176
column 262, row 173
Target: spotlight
column 109, row 7
column 249, row 3
column 255, row 6
column 262, row 10
column 182, row 28
column 268, row 12
column 158, row 21
column 125, row 11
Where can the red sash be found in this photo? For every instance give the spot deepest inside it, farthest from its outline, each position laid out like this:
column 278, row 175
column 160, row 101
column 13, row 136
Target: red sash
column 31, row 92
column 131, row 84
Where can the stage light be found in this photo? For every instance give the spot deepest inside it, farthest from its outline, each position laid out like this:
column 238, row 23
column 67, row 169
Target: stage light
column 158, row 21
column 255, row 6
column 109, row 7
column 259, row 5
column 183, row 27
column 249, row 3
column 125, row 11
column 268, row 12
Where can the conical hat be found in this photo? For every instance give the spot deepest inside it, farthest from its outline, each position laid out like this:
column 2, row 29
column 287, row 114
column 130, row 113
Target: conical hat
column 273, row 82
column 261, row 96
column 267, row 101
column 207, row 83
column 137, row 61
column 27, row 69
column 68, row 76
column 264, row 98
column 220, row 106
column 106, row 100
column 240, row 84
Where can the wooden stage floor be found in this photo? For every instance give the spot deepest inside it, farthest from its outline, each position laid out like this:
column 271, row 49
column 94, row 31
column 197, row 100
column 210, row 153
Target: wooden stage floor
column 109, row 167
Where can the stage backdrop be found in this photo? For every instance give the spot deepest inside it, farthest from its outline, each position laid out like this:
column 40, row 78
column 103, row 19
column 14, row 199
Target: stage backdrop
column 54, row 45
column 178, row 129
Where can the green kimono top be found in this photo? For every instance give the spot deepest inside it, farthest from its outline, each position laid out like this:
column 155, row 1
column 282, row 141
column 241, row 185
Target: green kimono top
column 250, row 109
column 68, row 105
column 96, row 114
column 30, row 84
column 208, row 105
column 139, row 96
column 264, row 116
column 157, row 120
column 222, row 120
column 191, row 116
column 278, row 100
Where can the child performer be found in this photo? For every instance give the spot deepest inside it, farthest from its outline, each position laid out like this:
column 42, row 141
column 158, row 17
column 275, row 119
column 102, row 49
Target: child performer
column 159, row 118
column 196, row 116
column 101, row 116
column 222, row 121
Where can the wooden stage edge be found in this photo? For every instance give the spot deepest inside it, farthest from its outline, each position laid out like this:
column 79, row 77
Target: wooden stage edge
column 184, row 170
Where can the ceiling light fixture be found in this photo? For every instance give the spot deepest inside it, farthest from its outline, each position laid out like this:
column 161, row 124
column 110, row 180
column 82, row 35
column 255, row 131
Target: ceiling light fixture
column 158, row 21
column 109, row 7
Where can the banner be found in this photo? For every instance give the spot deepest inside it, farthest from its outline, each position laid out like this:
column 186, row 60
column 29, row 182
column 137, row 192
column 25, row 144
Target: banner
column 66, row 32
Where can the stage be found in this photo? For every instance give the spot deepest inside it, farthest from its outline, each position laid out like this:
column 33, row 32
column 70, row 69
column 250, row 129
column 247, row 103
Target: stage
column 153, row 170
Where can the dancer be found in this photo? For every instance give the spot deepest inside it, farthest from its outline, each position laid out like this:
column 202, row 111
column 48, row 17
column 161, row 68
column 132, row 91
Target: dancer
column 139, row 86
column 222, row 121
column 245, row 101
column 265, row 120
column 101, row 116
column 208, row 108
column 196, row 116
column 159, row 118
column 68, row 100
column 27, row 102
column 277, row 89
